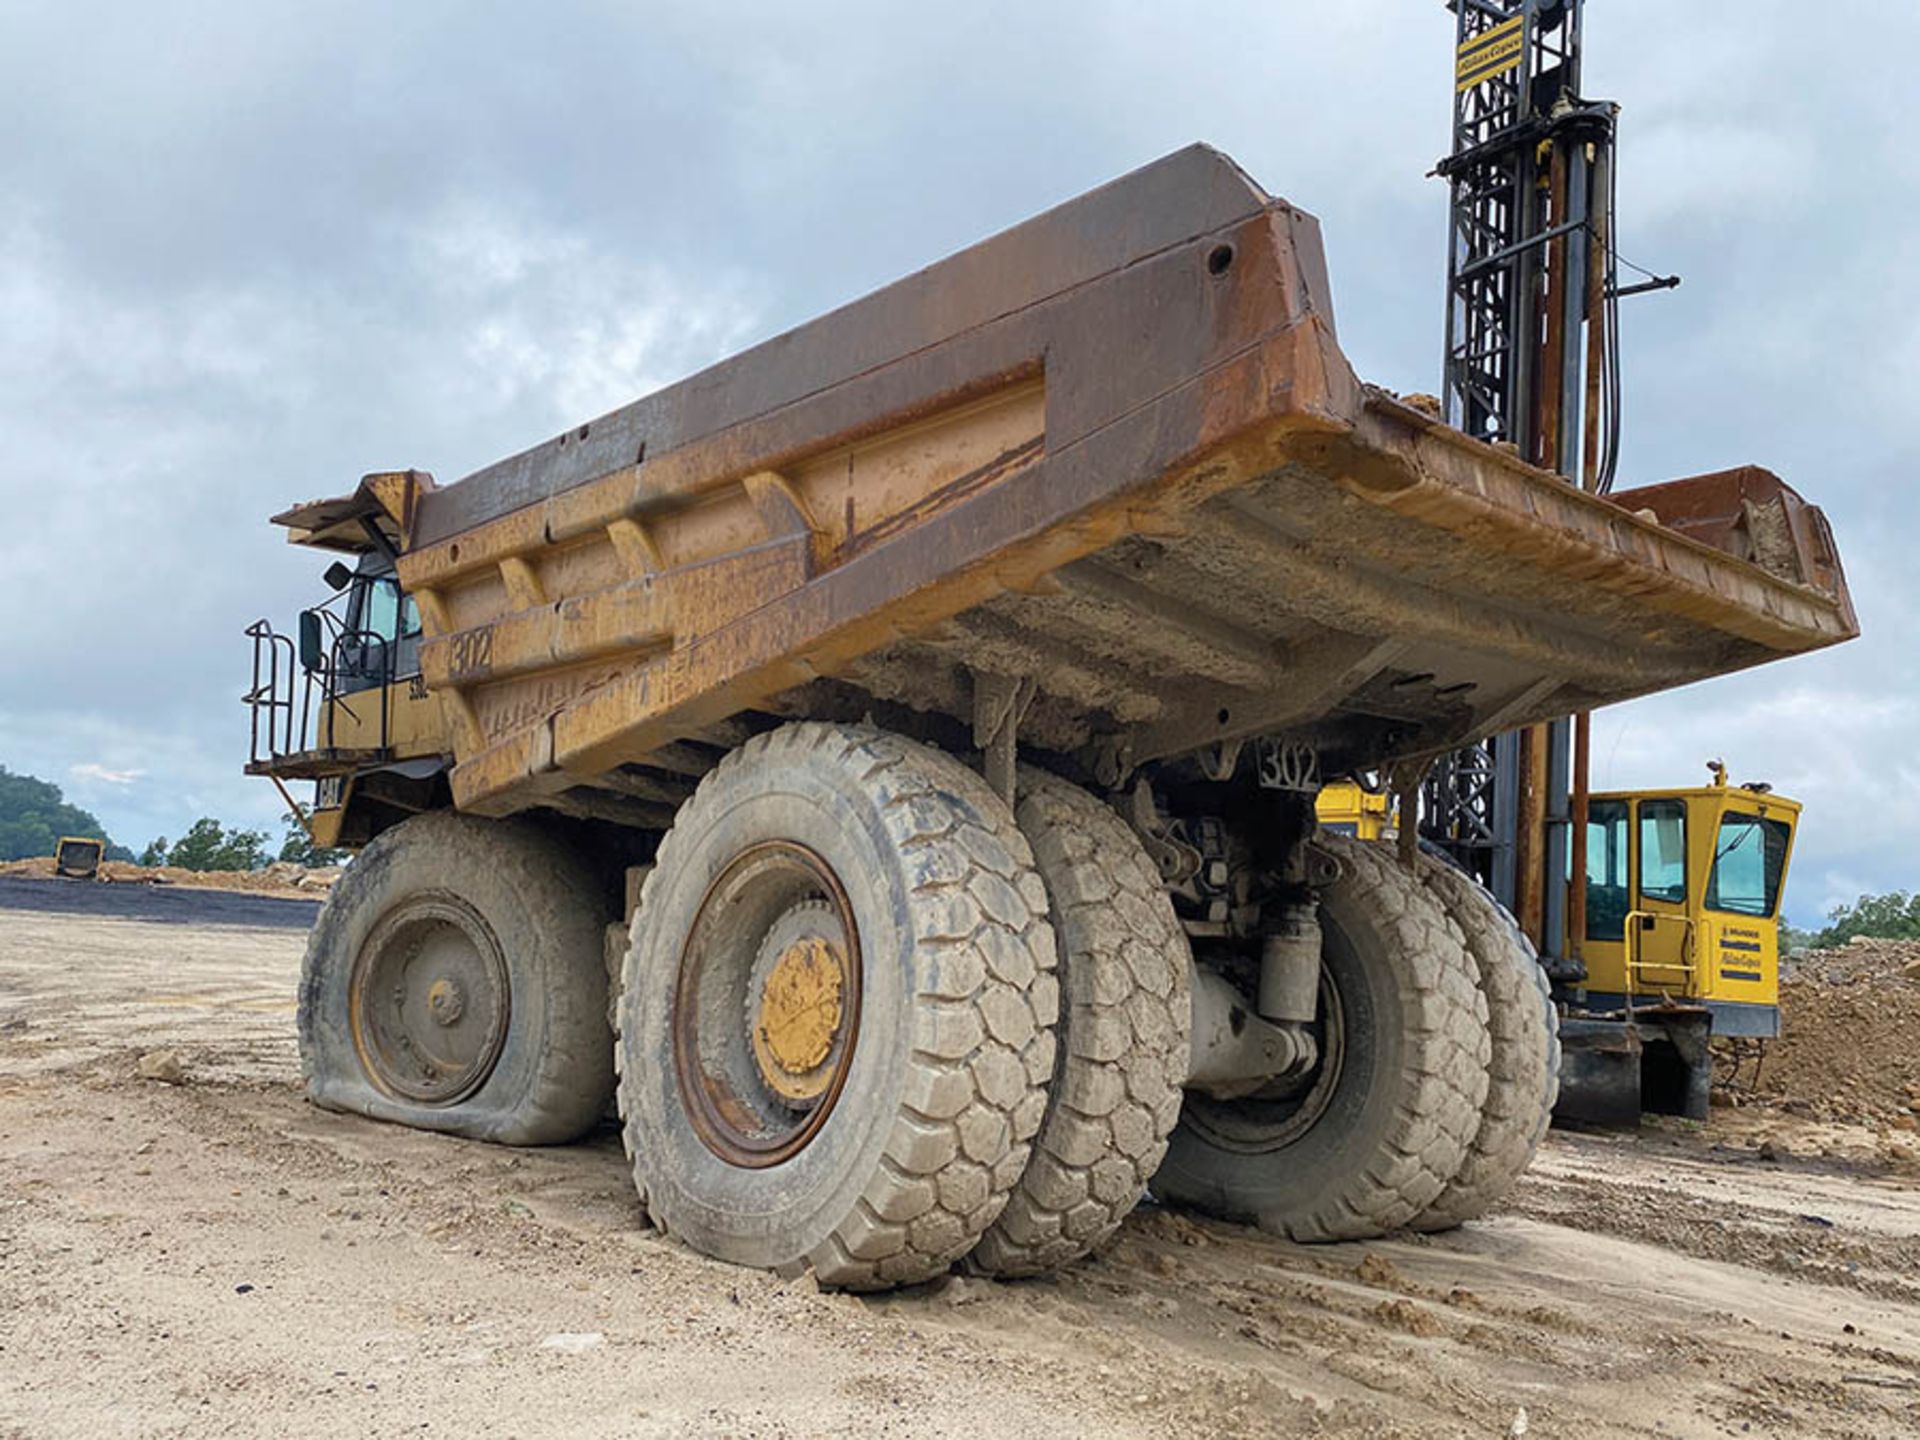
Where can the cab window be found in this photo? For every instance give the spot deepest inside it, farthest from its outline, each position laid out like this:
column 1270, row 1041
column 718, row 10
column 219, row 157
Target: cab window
column 379, row 610
column 1609, row 896
column 1749, row 857
column 1663, row 851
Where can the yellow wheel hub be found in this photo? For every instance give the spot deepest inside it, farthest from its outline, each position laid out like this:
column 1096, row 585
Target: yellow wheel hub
column 798, row 1018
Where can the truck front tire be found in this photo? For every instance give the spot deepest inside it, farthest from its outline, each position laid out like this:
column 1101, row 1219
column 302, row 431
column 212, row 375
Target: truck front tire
column 455, row 982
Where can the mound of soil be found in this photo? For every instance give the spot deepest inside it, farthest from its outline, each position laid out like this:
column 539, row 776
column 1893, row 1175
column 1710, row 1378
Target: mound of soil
column 1849, row 1049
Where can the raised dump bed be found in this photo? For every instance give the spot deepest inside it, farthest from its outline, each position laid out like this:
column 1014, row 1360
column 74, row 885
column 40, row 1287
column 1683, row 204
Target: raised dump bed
column 1100, row 494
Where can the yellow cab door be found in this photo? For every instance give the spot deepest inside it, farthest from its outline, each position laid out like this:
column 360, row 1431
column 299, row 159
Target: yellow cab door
column 1739, row 943
column 1661, row 944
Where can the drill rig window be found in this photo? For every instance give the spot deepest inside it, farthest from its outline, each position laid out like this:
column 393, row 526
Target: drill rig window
column 1663, row 851
column 1749, row 857
column 1609, row 887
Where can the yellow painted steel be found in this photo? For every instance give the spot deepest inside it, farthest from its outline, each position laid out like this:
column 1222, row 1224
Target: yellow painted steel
column 1347, row 809
column 78, row 856
column 799, row 1013
column 1672, row 907
column 859, row 502
column 416, row 723
column 1492, row 52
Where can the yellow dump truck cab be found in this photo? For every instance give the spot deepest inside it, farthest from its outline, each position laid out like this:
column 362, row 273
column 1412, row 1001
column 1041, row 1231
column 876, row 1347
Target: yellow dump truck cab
column 1348, row 808
column 1683, row 901
column 342, row 702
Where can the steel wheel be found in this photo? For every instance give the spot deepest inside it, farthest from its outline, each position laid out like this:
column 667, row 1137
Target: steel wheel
column 1275, row 1118
column 456, row 981
column 836, row 1010
column 767, row 1005
column 429, row 1000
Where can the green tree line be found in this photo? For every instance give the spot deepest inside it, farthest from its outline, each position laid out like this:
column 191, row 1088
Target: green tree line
column 35, row 816
column 1894, row 916
column 208, row 845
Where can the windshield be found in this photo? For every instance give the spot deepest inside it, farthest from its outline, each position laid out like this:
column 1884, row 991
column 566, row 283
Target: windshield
column 1749, row 860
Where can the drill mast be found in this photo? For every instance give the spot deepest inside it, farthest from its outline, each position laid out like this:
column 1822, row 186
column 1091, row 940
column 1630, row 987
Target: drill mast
column 1531, row 363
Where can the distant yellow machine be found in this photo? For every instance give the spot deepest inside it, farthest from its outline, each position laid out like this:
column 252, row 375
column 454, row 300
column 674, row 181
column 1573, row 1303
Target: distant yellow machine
column 77, row 857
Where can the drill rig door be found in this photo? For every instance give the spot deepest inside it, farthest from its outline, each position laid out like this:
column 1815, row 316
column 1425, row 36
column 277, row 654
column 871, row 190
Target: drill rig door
column 1659, row 931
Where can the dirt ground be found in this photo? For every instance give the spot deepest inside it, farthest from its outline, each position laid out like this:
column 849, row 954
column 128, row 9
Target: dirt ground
column 215, row 1257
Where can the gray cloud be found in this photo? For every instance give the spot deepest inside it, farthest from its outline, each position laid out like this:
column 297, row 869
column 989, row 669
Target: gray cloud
column 249, row 251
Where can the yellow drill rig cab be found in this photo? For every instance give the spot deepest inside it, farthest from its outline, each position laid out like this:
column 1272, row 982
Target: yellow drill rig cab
column 1683, row 900
column 1681, row 940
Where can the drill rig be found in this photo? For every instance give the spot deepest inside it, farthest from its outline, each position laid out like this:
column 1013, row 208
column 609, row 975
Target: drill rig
column 1533, row 363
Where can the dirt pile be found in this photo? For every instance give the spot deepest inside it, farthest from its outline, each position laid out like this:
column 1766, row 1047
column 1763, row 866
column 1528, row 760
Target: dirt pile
column 279, row 878
column 1849, row 1049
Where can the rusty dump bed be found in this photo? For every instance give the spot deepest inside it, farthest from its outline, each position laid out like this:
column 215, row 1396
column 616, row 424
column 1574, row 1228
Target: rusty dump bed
column 1115, row 451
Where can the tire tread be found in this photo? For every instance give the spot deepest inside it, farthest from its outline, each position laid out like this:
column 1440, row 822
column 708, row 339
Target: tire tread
column 952, row 833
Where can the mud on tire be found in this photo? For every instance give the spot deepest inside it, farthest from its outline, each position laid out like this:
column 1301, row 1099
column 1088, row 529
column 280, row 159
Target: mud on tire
column 1125, row 1020
column 520, row 904
column 1396, row 1100
column 1524, row 1067
column 946, row 1069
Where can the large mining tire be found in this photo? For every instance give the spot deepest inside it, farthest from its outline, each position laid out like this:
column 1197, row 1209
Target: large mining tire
column 837, row 1010
column 1372, row 1137
column 455, row 981
column 1524, row 1068
column 1125, row 1019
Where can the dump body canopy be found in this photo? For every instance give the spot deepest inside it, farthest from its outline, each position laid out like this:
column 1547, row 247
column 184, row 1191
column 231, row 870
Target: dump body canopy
column 1116, row 452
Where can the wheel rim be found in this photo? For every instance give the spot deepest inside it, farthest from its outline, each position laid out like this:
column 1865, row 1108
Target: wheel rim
column 429, row 1000
column 1262, row 1122
column 766, row 1005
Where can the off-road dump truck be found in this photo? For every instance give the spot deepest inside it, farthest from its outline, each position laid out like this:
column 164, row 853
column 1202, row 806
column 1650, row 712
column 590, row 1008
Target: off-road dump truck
column 906, row 733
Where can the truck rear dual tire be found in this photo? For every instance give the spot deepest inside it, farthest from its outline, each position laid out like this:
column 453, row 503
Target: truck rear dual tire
column 837, row 1010
column 1391, row 1109
column 1126, row 1018
column 455, row 981
column 1524, row 1056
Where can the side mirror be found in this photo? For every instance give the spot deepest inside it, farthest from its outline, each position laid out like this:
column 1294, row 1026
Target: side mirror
column 312, row 650
column 337, row 576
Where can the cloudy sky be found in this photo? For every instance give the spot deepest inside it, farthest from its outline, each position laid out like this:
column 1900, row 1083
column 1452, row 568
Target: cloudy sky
column 249, row 251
